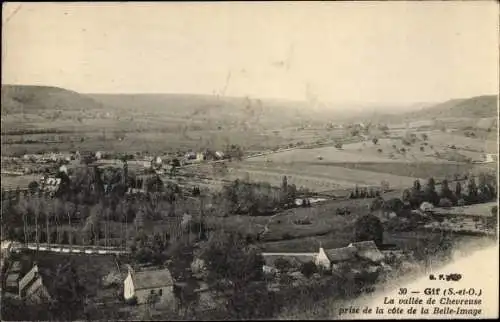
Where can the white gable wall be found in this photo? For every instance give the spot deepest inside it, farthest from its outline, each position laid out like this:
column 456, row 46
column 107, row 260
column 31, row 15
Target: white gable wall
column 128, row 287
column 321, row 259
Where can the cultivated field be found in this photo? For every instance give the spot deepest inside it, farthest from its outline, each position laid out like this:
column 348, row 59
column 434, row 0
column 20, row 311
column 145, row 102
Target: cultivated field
column 317, row 177
column 12, row 182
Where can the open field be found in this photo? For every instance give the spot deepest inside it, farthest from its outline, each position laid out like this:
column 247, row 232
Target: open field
column 421, row 170
column 12, row 182
column 328, row 154
column 318, row 177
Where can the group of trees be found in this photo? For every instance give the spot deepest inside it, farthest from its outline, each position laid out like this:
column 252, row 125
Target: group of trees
column 234, row 151
column 364, row 192
column 260, row 198
column 84, row 208
column 484, row 190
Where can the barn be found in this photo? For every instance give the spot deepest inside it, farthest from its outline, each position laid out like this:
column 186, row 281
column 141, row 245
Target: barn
column 149, row 286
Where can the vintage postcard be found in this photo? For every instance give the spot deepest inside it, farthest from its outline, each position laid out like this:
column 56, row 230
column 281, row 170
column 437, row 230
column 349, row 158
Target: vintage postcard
column 249, row 160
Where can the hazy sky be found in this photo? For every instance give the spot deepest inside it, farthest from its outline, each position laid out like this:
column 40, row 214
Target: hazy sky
column 345, row 51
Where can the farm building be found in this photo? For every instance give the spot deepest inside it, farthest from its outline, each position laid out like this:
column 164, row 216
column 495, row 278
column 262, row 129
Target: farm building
column 200, row 156
column 328, row 257
column 32, row 287
column 50, row 184
column 63, row 169
column 490, row 158
column 368, row 250
column 190, row 156
column 155, row 285
column 364, row 251
column 13, row 276
column 157, row 161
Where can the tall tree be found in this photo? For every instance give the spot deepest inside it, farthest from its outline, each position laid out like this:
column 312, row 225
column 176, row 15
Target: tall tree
column 237, row 267
column 458, row 190
column 446, row 192
column 367, row 228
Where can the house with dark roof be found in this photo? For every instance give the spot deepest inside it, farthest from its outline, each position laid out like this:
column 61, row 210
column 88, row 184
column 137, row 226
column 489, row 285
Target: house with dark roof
column 32, row 286
column 365, row 250
column 12, row 280
column 368, row 250
column 326, row 258
column 149, row 286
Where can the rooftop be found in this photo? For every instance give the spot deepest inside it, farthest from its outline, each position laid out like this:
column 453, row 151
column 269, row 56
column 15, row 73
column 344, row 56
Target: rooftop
column 152, row 279
column 341, row 254
column 368, row 250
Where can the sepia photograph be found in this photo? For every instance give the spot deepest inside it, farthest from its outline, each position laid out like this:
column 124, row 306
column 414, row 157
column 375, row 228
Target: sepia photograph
column 183, row 161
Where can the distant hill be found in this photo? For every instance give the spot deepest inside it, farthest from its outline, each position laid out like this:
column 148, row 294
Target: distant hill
column 208, row 107
column 24, row 99
column 28, row 99
column 474, row 107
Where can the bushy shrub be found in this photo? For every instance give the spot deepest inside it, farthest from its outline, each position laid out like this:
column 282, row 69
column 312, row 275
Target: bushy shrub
column 308, row 269
column 367, row 228
column 132, row 301
column 445, row 202
column 377, row 204
column 305, row 221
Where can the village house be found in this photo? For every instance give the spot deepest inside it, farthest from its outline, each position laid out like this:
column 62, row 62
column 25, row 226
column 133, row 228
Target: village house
column 152, row 285
column 50, row 184
column 366, row 251
column 326, row 258
column 190, row 156
column 32, row 288
column 490, row 158
column 13, row 276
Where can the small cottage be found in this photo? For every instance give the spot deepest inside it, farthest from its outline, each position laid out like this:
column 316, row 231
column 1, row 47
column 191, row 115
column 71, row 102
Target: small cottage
column 12, row 280
column 328, row 257
column 32, row 288
column 153, row 285
column 368, row 250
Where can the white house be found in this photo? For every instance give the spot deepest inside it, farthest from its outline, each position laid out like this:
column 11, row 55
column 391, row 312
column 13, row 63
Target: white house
column 200, row 156
column 63, row 168
column 50, row 184
column 148, row 286
column 157, row 161
column 490, row 158
column 326, row 258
